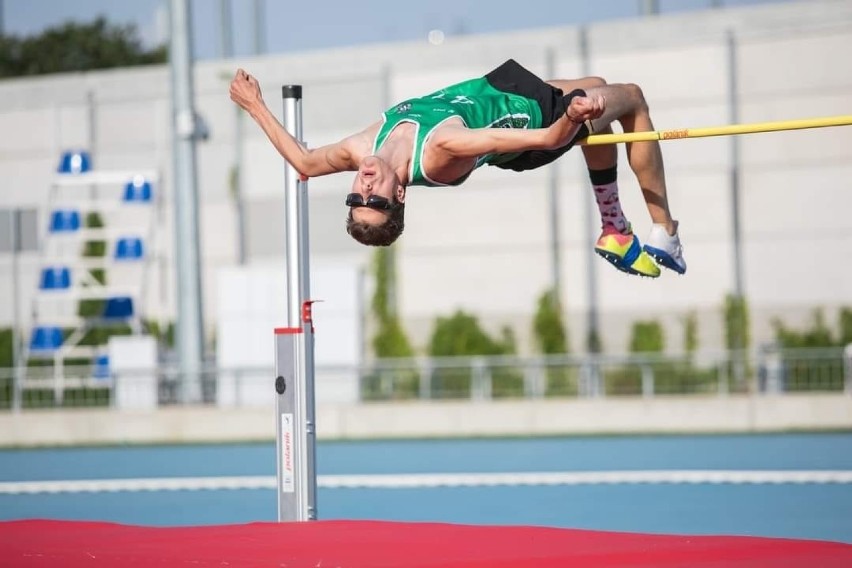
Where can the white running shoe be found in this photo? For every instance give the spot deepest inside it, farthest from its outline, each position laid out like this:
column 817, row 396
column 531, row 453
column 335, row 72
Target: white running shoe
column 665, row 248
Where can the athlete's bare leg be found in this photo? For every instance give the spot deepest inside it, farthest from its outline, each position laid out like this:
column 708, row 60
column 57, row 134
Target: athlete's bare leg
column 626, row 104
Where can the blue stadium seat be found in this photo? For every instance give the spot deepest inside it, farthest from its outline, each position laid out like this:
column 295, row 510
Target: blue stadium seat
column 129, row 248
column 138, row 190
column 55, row 278
column 101, row 367
column 118, row 308
column 75, row 163
column 64, row 221
column 45, row 339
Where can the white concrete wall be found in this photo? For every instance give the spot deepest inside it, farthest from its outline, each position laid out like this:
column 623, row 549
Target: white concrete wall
column 484, row 247
column 436, row 419
column 252, row 302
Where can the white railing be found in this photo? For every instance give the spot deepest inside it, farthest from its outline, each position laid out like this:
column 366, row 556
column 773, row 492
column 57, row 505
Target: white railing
column 764, row 371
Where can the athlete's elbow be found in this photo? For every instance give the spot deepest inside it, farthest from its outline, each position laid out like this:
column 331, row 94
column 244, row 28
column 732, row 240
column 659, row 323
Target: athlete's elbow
column 296, row 163
column 304, row 163
column 309, row 171
column 315, row 163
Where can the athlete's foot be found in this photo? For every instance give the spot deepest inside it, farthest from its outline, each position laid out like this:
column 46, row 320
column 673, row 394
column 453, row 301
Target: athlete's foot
column 624, row 252
column 666, row 248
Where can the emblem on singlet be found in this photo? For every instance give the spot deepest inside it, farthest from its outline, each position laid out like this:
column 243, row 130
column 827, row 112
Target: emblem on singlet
column 511, row 121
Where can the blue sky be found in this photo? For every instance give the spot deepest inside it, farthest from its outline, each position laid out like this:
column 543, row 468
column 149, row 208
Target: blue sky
column 294, row 26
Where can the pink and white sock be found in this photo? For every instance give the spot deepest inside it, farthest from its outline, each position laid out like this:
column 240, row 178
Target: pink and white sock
column 610, row 207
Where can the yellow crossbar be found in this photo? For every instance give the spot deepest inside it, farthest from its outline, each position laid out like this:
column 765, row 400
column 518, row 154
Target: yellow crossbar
column 731, row 129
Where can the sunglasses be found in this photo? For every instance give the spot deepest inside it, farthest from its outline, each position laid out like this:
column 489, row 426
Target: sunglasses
column 373, row 202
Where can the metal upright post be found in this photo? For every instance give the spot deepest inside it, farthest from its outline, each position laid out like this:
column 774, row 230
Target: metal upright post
column 294, row 348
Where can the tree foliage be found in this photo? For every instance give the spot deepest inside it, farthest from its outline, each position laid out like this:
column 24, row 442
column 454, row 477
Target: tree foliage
column 7, row 355
column 819, row 334
column 548, row 326
column 690, row 333
column 846, row 326
column 736, row 322
column 76, row 47
column 390, row 339
column 461, row 334
column 647, row 337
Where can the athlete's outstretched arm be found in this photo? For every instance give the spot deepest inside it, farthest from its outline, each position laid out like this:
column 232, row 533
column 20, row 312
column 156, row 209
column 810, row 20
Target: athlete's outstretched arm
column 465, row 142
column 337, row 157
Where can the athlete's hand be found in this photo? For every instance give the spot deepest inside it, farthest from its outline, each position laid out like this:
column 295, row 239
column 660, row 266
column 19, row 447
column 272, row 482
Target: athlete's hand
column 586, row 108
column 245, row 90
column 579, row 111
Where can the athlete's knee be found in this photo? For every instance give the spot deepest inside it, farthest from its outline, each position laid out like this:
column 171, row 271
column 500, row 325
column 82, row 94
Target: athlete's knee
column 584, row 83
column 593, row 82
column 636, row 96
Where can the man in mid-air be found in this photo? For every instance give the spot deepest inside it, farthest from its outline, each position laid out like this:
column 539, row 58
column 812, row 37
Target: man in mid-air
column 509, row 118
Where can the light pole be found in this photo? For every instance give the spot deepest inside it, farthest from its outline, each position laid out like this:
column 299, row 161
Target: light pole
column 593, row 344
column 650, row 7
column 185, row 131
column 734, row 118
column 226, row 51
column 259, row 10
column 555, row 223
column 17, row 367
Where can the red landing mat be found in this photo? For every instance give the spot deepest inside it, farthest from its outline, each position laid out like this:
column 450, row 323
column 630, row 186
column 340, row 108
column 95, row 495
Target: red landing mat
column 344, row 544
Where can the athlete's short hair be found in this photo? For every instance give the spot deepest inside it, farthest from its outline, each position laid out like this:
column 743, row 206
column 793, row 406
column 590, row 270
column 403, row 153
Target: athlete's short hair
column 382, row 234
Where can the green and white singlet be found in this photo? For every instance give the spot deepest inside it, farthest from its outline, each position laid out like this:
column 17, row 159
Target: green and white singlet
column 476, row 102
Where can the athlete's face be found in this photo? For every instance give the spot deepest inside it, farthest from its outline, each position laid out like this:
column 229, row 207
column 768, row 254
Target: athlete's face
column 375, row 179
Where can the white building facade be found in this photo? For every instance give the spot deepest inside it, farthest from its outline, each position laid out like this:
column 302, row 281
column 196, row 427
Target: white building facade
column 485, row 247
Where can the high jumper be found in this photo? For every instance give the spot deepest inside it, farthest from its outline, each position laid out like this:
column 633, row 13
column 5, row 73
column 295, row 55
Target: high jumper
column 508, row 118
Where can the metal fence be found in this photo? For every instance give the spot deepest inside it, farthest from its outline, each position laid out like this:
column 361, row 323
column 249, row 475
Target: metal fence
column 484, row 378
column 765, row 371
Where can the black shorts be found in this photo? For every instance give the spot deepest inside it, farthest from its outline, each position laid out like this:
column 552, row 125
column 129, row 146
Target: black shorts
column 512, row 77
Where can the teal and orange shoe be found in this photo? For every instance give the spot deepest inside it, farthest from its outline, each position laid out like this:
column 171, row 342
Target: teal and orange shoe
column 624, row 252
